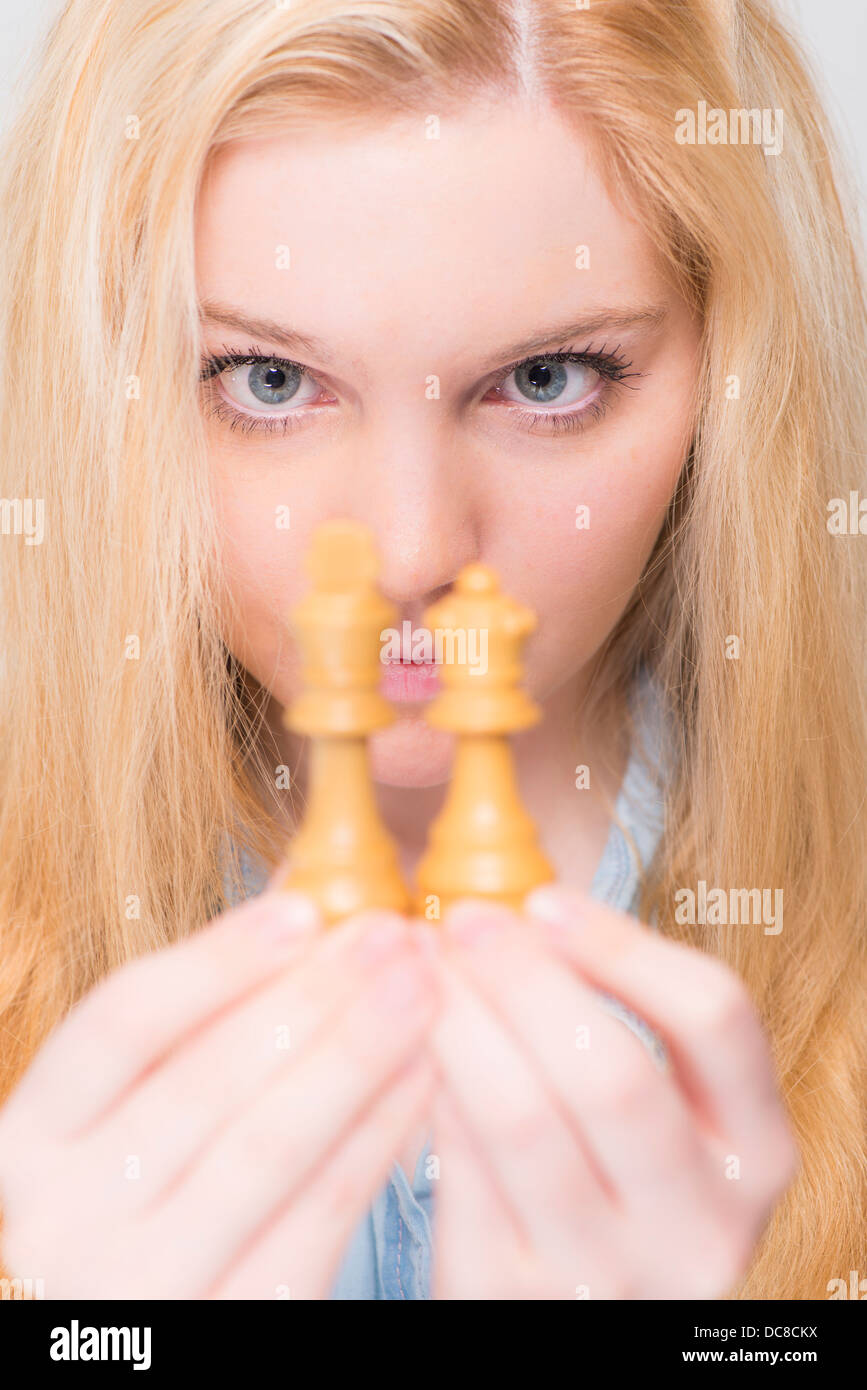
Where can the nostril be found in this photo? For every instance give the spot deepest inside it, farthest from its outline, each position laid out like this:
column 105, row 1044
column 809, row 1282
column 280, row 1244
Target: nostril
column 436, row 594
column 413, row 613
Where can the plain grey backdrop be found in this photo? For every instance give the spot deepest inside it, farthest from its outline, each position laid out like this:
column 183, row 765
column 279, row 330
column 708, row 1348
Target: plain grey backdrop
column 835, row 32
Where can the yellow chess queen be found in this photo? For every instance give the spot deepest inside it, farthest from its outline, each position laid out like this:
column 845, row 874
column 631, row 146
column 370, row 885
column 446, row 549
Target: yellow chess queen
column 483, row 844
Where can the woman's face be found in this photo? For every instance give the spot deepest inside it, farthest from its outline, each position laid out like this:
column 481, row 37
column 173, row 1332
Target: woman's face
column 423, row 285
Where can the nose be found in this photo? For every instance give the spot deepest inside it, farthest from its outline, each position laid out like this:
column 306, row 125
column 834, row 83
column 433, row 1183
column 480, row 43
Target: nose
column 423, row 545
column 416, row 493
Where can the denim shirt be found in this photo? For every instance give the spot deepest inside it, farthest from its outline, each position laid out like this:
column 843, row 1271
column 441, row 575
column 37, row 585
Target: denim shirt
column 389, row 1254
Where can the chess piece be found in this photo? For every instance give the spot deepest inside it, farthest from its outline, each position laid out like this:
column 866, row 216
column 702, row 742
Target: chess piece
column 483, row 843
column 343, row 857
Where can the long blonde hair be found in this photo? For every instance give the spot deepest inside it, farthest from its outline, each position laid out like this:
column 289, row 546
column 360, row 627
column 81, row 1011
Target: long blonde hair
column 131, row 746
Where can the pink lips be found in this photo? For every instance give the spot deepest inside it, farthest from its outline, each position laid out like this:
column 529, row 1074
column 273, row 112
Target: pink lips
column 410, row 682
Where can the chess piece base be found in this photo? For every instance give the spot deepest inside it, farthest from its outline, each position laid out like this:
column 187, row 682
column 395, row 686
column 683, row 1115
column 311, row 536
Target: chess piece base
column 483, row 844
column 343, row 857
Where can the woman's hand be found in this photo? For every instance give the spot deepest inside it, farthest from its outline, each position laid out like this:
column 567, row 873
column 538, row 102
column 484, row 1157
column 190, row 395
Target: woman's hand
column 212, row 1121
column 571, row 1165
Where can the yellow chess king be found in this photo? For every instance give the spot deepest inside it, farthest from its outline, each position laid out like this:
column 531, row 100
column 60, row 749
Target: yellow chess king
column 343, row 856
column 483, row 844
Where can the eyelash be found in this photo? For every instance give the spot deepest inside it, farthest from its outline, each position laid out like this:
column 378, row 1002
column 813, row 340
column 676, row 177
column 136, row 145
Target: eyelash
column 611, row 366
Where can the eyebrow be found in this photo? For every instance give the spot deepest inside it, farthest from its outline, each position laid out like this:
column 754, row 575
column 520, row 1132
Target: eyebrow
column 603, row 320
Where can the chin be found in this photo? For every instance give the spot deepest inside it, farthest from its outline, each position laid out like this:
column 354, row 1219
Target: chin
column 409, row 753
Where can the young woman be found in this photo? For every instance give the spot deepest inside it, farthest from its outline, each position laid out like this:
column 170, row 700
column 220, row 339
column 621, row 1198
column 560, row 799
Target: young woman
column 571, row 291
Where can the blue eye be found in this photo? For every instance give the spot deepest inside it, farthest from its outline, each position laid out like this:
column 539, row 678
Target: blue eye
column 271, row 384
column 254, row 390
column 549, row 380
column 260, row 385
column 539, row 382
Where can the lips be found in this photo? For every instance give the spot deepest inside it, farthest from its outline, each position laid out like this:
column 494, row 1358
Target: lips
column 410, row 682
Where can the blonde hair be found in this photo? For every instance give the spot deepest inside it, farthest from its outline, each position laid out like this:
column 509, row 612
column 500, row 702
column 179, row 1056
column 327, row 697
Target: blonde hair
column 132, row 748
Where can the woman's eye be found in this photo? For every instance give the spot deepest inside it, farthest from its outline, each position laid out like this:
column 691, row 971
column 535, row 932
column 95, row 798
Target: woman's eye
column 268, row 385
column 546, row 381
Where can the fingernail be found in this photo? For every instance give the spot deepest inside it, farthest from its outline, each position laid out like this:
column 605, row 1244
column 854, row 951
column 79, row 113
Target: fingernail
column 289, row 916
column 401, row 984
column 474, row 921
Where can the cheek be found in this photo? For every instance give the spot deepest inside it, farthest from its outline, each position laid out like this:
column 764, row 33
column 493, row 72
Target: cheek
column 262, row 579
column 586, row 563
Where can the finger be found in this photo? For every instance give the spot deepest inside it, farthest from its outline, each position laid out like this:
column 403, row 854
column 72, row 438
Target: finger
column 299, row 1254
column 477, row 1241
column 125, row 1025
column 627, row 1114
column 182, row 1103
column 672, row 1186
column 261, row 1159
column 697, row 1005
column 543, row 1174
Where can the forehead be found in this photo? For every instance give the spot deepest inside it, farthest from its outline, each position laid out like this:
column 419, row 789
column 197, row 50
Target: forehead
column 409, row 228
